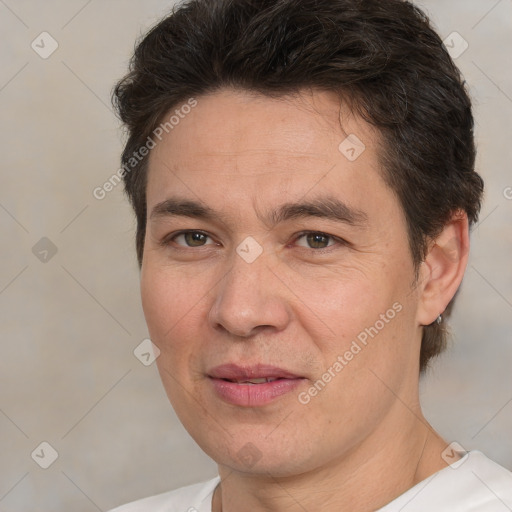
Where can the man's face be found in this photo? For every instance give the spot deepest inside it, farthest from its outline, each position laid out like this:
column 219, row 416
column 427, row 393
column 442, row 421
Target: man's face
column 274, row 251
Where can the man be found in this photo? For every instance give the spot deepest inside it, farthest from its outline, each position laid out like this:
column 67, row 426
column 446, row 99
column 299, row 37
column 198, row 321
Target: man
column 302, row 172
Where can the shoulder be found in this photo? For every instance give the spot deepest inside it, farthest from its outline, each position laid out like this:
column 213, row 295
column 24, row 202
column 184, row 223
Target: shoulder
column 474, row 483
column 192, row 498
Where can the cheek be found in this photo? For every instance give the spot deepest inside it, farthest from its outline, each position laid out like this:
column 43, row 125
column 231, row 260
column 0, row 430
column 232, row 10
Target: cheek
column 171, row 304
column 339, row 301
column 362, row 317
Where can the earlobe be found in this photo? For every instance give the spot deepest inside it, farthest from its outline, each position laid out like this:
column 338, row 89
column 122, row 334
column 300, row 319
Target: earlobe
column 443, row 268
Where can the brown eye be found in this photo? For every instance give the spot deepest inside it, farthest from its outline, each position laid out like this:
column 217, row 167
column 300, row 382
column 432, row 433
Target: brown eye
column 191, row 239
column 316, row 240
column 195, row 239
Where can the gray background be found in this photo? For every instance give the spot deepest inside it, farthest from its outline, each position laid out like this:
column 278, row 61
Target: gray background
column 69, row 324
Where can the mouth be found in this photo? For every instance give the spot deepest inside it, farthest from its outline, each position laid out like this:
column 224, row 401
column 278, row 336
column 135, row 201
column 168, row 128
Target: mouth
column 252, row 386
column 261, row 380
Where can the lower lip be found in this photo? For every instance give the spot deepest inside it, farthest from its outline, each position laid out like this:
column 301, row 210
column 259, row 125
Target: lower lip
column 253, row 395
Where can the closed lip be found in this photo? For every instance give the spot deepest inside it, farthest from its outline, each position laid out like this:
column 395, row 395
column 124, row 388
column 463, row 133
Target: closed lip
column 242, row 373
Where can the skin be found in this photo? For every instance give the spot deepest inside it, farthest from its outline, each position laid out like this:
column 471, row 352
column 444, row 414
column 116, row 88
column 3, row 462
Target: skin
column 362, row 440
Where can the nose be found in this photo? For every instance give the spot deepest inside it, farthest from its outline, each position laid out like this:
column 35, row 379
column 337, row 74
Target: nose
column 250, row 298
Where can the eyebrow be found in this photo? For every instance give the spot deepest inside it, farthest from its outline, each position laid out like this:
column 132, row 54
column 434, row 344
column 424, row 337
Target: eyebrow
column 326, row 207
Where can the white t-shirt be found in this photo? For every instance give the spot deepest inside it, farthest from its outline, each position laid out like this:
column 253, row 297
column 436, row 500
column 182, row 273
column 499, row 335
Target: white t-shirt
column 474, row 483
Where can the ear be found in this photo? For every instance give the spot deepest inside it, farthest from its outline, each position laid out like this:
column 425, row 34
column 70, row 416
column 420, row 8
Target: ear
column 443, row 269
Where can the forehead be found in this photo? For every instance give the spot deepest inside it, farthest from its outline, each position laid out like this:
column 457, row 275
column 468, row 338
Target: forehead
column 235, row 148
column 308, row 124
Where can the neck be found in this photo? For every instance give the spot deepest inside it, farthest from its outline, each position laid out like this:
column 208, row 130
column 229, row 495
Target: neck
column 366, row 478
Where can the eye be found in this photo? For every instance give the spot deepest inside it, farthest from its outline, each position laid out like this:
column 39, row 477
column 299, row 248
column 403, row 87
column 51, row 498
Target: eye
column 316, row 240
column 190, row 239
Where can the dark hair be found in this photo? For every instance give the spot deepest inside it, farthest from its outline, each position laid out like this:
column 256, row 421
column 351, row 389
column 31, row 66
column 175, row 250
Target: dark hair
column 382, row 57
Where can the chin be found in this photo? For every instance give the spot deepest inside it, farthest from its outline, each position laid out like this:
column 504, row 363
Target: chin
column 254, row 454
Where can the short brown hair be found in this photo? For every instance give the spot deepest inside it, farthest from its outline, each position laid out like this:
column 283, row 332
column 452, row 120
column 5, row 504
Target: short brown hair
column 381, row 56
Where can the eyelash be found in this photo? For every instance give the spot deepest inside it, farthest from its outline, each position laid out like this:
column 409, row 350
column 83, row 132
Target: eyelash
column 339, row 241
